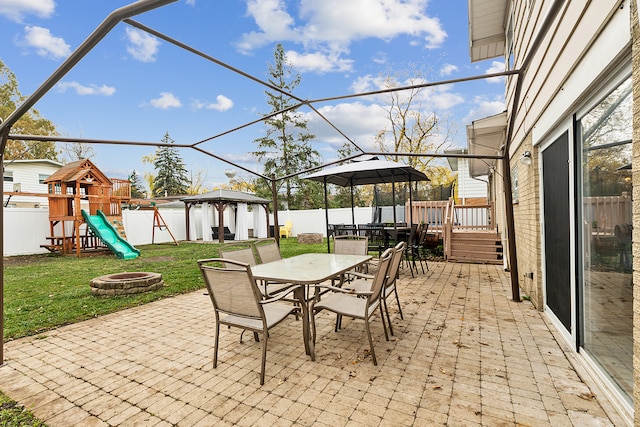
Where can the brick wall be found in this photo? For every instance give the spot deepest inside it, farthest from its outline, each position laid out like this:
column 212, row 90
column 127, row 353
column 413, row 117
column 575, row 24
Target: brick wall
column 526, row 213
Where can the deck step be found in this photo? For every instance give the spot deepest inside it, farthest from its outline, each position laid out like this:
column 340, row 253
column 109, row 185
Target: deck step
column 476, row 247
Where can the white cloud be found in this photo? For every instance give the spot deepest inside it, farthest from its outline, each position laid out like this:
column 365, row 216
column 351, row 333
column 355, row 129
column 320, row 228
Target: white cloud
column 167, row 100
column 319, row 62
column 222, row 103
column 86, row 90
column 142, row 46
column 46, row 44
column 448, row 69
column 496, row 67
column 360, row 122
column 17, row 9
column 484, row 107
column 330, row 26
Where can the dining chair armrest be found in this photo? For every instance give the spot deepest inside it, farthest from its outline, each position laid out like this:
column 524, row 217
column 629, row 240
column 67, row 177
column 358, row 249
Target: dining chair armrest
column 281, row 294
column 344, row 290
column 361, row 275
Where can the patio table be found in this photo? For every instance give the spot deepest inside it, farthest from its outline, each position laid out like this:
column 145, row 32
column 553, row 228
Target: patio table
column 307, row 270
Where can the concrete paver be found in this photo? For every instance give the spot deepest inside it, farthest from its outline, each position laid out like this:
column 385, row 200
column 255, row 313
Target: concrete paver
column 464, row 354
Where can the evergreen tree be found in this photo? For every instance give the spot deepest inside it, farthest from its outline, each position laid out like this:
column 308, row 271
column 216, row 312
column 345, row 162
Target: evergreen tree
column 30, row 123
column 137, row 187
column 171, row 178
column 286, row 147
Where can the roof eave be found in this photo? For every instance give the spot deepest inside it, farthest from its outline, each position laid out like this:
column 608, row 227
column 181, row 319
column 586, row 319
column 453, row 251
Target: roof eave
column 487, row 29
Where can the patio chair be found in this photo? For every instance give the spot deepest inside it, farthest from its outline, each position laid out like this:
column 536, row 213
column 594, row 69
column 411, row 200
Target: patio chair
column 412, row 248
column 352, row 245
column 358, row 305
column 390, row 287
column 268, row 250
column 242, row 254
column 236, row 296
column 247, row 256
column 285, row 230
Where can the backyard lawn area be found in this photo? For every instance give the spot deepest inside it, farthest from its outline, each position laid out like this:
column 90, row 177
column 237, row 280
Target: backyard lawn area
column 42, row 292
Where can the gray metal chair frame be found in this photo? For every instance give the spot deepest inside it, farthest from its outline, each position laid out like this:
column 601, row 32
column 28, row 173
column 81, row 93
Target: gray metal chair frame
column 236, row 295
column 390, row 286
column 355, row 304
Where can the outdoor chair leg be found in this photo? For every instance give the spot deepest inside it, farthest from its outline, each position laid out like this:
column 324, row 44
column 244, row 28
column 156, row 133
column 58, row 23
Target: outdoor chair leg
column 373, row 352
column 386, row 309
column 384, row 325
column 398, row 301
column 215, row 343
column 264, row 356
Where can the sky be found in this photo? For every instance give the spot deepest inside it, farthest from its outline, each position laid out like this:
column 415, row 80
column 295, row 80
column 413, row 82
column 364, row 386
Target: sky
column 135, row 87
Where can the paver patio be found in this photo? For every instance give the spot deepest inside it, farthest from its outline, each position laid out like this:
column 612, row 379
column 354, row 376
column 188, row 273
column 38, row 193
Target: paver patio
column 464, row 355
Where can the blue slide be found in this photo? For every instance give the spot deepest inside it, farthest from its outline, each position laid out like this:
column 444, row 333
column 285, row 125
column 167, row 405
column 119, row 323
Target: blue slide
column 100, row 226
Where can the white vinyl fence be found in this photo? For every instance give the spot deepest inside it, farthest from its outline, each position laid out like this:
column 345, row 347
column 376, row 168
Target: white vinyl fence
column 25, row 229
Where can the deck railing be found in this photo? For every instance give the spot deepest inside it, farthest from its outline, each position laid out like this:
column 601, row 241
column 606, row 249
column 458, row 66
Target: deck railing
column 445, row 217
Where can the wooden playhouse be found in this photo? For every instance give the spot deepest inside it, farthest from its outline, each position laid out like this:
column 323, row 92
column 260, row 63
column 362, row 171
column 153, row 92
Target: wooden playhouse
column 79, row 186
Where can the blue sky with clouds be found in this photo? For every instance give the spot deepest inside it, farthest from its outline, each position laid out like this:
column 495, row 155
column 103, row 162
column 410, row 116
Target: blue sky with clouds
column 136, row 87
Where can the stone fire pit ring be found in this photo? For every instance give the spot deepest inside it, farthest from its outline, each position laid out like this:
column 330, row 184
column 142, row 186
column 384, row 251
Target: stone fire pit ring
column 126, row 283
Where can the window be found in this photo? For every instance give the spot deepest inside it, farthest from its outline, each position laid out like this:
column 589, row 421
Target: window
column 42, row 177
column 8, row 176
column 604, row 134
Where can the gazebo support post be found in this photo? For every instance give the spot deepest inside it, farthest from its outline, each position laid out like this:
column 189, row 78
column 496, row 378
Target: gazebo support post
column 410, row 205
column 326, row 213
column 274, row 195
column 220, row 207
column 353, row 214
column 186, row 219
column 265, row 206
column 393, row 202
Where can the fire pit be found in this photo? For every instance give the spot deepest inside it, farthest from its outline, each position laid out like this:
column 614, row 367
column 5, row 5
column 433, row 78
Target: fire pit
column 126, row 283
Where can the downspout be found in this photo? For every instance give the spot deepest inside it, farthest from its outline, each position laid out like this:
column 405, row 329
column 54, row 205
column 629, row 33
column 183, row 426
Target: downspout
column 506, row 164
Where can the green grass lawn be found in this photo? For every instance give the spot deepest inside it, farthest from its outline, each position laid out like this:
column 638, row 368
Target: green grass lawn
column 46, row 291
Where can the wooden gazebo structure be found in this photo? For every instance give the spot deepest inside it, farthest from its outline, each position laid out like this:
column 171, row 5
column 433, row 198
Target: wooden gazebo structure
column 221, row 199
column 81, row 185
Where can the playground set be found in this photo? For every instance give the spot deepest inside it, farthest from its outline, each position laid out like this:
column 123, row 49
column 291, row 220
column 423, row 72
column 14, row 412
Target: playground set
column 85, row 211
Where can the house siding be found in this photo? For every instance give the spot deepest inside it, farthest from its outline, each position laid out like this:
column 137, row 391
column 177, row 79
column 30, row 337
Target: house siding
column 27, row 174
column 581, row 56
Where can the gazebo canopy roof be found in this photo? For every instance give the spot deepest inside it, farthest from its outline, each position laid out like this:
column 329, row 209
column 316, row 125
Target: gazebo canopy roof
column 368, row 171
column 225, row 196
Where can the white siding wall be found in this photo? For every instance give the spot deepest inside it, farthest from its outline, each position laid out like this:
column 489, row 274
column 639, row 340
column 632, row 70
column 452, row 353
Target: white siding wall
column 27, row 175
column 469, row 187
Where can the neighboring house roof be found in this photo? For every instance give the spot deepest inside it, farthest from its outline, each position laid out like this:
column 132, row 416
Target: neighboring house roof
column 225, row 196
column 31, row 161
column 487, row 25
column 78, row 170
column 453, row 161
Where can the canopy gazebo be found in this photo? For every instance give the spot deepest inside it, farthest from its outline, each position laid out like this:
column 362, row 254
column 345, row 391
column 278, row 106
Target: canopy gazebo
column 221, row 199
column 367, row 170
